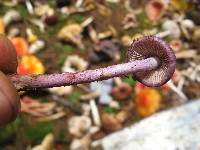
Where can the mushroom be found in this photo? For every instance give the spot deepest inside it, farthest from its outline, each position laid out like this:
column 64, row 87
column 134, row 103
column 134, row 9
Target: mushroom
column 177, row 91
column 38, row 23
column 128, row 6
column 130, row 21
column 122, row 116
column 60, row 91
column 103, row 10
column 126, row 40
column 85, row 109
column 51, row 20
column 122, row 91
column 87, row 22
column 150, row 60
column 106, row 50
column 110, row 123
column 95, row 113
column 187, row 26
column 13, row 32
column 36, row 108
column 59, row 114
column 21, row 45
column 31, row 36
column 72, row 33
column 42, row 10
column 111, row 32
column 30, row 64
column 10, row 3
column 155, row 9
column 114, row 104
column 93, row 34
column 42, row 111
column 192, row 53
column 192, row 72
column 74, row 63
column 29, row 6
column 89, row 96
column 36, row 46
column 162, row 52
column 171, row 29
column 72, row 10
column 79, row 125
column 113, row 1
column 179, row 5
column 81, row 144
column 196, row 34
column 11, row 16
column 148, row 101
column 176, row 44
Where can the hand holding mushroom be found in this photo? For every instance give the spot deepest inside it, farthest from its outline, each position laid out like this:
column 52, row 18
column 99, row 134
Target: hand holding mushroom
column 150, row 60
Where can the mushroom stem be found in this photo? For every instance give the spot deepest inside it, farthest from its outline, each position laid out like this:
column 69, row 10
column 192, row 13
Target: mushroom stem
column 32, row 82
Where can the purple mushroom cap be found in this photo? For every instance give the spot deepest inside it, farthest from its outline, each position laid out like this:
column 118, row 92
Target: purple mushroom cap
column 151, row 46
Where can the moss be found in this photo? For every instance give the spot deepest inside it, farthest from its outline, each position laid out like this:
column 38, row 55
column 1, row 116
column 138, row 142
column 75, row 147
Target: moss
column 64, row 51
column 61, row 60
column 113, row 6
column 109, row 109
column 74, row 97
column 68, row 48
column 144, row 23
column 8, row 133
column 64, row 47
column 23, row 11
column 62, row 137
column 77, row 18
column 130, row 81
column 38, row 131
column 2, row 10
column 52, row 3
column 62, row 20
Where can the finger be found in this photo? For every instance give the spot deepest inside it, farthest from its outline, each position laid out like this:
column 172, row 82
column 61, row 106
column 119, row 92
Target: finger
column 8, row 56
column 9, row 101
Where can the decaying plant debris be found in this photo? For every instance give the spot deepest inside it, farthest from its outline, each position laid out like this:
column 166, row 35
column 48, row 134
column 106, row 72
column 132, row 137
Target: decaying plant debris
column 64, row 35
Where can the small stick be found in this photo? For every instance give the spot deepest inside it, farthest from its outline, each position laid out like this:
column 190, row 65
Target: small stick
column 33, row 82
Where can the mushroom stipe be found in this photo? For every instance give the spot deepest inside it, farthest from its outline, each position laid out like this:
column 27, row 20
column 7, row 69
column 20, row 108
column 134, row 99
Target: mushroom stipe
column 150, row 60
